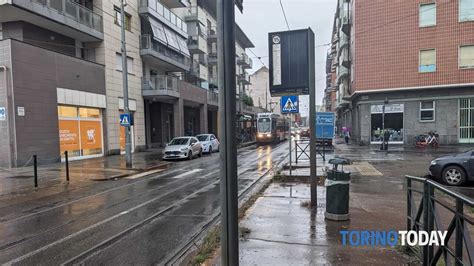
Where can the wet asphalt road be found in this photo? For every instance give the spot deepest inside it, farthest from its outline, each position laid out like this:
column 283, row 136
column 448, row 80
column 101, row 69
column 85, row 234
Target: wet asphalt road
column 140, row 221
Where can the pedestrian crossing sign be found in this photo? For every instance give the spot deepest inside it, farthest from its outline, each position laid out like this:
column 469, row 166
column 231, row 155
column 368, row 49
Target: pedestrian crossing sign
column 125, row 120
column 289, row 104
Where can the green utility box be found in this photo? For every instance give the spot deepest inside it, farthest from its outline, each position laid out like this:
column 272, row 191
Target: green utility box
column 337, row 191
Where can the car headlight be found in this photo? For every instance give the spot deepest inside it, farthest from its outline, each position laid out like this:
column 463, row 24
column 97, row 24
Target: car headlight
column 184, row 149
column 433, row 162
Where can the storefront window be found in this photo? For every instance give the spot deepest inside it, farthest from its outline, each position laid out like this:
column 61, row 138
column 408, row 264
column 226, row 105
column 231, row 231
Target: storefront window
column 393, row 122
column 80, row 131
column 67, row 111
column 89, row 113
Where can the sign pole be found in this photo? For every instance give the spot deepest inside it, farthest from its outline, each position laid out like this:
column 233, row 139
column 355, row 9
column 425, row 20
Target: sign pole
column 128, row 144
column 291, row 136
column 312, row 120
column 227, row 118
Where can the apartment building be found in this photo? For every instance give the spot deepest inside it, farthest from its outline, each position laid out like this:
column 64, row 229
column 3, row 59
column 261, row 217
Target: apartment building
column 52, row 87
column 408, row 65
column 259, row 90
column 61, row 75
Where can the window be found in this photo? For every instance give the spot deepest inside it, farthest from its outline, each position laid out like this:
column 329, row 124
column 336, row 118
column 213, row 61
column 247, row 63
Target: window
column 466, row 56
column 466, row 10
column 427, row 61
column 427, row 15
column 118, row 19
column 118, row 62
column 427, row 111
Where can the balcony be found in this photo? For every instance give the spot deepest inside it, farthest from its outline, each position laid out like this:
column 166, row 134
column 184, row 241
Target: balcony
column 199, row 70
column 164, row 15
column 160, row 86
column 345, row 19
column 162, row 56
column 342, row 73
column 213, row 80
column 212, row 34
column 197, row 44
column 212, row 58
column 195, row 13
column 345, row 57
column 245, row 61
column 203, row 59
column 244, row 78
column 62, row 16
column 212, row 98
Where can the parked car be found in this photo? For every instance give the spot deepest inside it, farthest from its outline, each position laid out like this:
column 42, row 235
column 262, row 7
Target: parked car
column 209, row 143
column 454, row 169
column 182, row 148
column 305, row 133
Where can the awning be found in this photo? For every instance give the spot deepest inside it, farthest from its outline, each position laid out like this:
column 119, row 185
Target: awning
column 166, row 36
column 158, row 31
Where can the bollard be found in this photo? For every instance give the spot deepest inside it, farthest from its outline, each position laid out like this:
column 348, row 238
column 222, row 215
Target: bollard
column 35, row 163
column 67, row 166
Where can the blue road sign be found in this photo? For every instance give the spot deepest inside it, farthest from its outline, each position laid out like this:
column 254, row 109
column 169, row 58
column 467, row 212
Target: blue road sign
column 125, row 120
column 289, row 104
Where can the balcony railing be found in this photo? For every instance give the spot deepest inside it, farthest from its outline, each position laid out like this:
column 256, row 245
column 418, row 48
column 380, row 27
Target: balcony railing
column 212, row 33
column 165, row 13
column 213, row 97
column 161, row 85
column 212, row 58
column 74, row 11
column 147, row 43
column 244, row 78
column 245, row 61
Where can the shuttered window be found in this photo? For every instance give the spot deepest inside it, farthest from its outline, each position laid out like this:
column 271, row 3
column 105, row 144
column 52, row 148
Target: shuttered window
column 466, row 56
column 427, row 61
column 466, row 10
column 427, row 15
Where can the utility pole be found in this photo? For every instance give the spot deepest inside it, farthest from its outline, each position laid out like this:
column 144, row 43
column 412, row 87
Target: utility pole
column 128, row 144
column 312, row 122
column 227, row 117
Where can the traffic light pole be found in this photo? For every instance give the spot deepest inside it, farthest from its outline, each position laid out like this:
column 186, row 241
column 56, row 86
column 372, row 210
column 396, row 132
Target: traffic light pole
column 227, row 128
column 128, row 144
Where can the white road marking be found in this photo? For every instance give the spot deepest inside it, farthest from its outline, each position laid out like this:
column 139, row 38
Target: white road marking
column 188, row 173
column 144, row 174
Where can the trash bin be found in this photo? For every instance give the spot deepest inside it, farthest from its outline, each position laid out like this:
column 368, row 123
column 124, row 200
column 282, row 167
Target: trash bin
column 337, row 191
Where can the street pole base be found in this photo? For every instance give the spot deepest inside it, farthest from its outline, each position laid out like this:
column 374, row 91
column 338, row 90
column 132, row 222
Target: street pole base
column 336, row 217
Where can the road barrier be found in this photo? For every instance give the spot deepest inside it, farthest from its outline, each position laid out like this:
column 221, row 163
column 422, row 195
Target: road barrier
column 436, row 198
column 302, row 149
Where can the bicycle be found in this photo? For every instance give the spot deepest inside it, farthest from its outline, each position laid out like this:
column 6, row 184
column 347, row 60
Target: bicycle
column 429, row 139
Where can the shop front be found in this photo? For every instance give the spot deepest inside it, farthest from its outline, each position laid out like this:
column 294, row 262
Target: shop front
column 391, row 120
column 80, row 132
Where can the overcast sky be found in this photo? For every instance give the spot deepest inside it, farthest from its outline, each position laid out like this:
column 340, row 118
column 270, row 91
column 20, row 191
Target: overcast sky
column 263, row 16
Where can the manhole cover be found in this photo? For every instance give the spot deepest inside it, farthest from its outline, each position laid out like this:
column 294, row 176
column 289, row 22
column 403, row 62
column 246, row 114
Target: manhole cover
column 21, row 176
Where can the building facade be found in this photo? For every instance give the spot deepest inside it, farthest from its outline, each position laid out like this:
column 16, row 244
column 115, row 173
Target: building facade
column 61, row 76
column 404, row 66
column 259, row 90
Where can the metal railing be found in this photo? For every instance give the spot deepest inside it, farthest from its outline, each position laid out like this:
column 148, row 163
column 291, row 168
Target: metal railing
column 165, row 13
column 213, row 96
column 74, row 11
column 161, row 83
column 437, row 203
column 147, row 42
column 212, row 32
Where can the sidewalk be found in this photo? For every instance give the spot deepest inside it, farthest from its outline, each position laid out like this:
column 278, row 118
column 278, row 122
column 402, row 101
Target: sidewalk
column 18, row 180
column 283, row 232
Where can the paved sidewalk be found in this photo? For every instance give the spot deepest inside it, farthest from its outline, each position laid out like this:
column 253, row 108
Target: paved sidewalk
column 19, row 180
column 282, row 232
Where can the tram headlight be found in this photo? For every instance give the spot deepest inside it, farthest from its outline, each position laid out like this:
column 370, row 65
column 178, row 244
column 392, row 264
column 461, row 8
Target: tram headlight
column 269, row 135
column 260, row 135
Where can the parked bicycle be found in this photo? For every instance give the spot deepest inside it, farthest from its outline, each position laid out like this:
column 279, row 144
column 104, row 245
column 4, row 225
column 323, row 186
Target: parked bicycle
column 428, row 139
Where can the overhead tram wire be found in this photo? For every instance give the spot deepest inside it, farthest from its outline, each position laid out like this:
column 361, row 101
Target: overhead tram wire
column 284, row 15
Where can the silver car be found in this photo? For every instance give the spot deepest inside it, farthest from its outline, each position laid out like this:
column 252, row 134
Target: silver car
column 182, row 148
column 209, row 142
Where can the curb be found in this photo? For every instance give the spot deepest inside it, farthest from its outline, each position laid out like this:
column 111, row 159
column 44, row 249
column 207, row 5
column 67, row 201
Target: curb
column 138, row 171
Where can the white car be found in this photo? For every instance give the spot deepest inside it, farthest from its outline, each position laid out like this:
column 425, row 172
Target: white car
column 209, row 142
column 183, row 148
